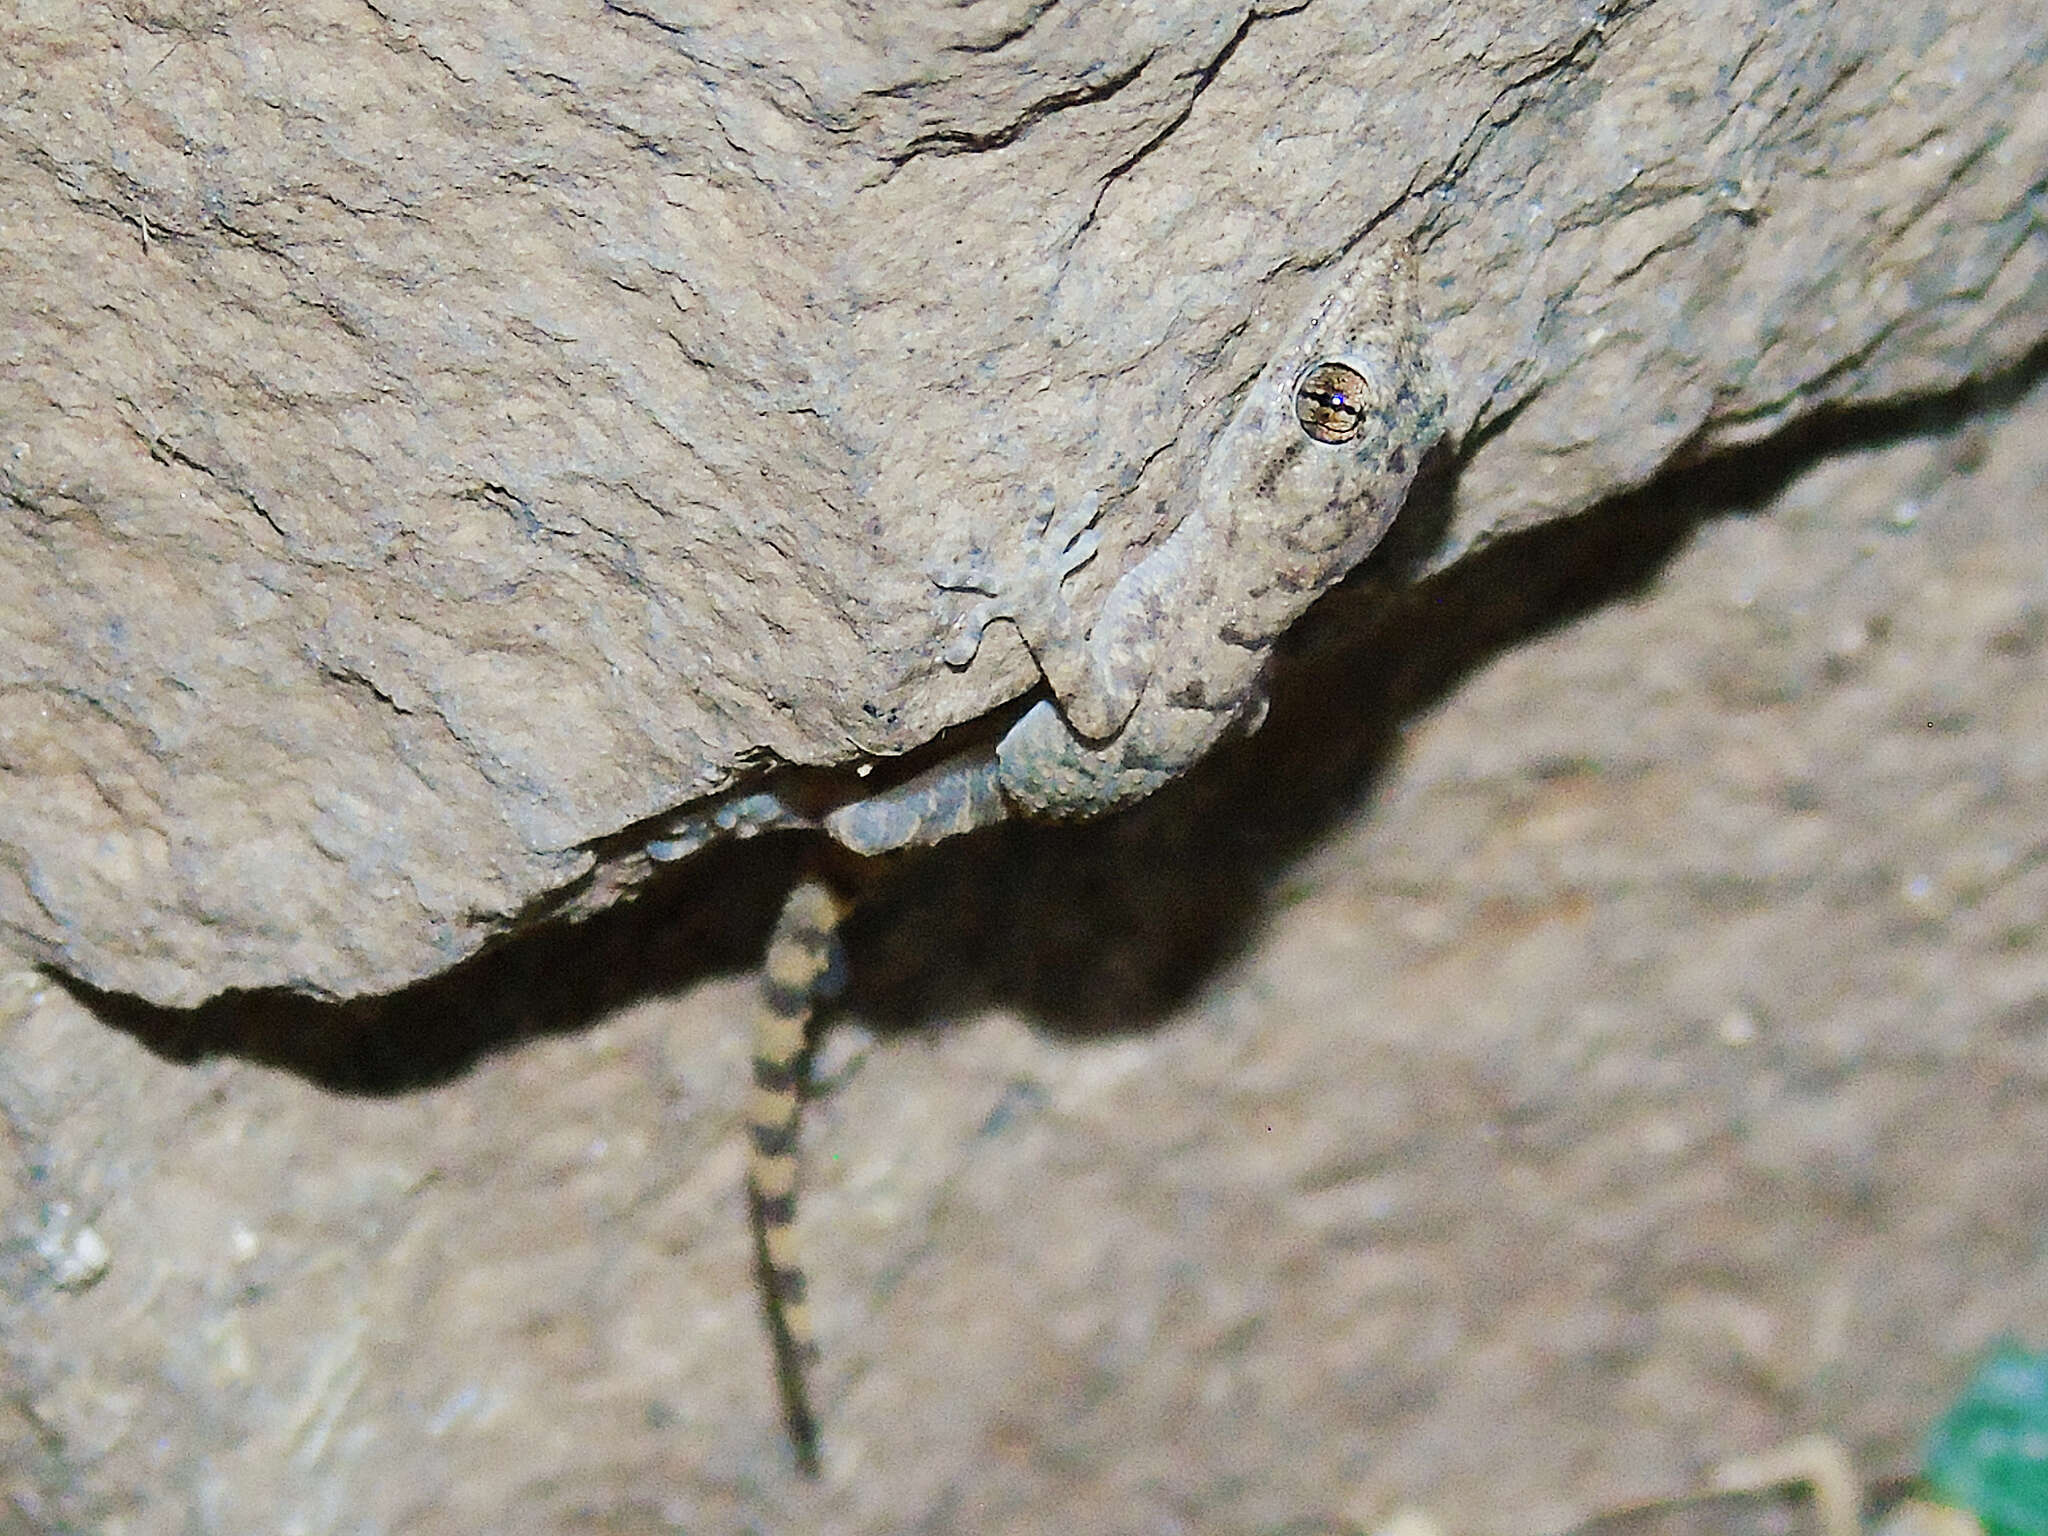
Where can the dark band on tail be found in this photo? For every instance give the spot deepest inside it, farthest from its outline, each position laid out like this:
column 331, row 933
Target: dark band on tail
column 799, row 969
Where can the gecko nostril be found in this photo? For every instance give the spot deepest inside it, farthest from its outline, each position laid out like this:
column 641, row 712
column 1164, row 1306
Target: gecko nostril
column 1330, row 401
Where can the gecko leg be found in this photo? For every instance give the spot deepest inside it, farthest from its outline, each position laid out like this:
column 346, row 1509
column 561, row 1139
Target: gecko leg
column 1060, row 544
column 796, row 974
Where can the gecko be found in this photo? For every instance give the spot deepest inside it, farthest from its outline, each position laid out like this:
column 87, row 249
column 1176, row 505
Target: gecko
column 1298, row 486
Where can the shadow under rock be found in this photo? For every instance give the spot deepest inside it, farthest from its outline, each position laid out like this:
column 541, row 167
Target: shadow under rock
column 699, row 919
column 1106, row 927
column 1095, row 928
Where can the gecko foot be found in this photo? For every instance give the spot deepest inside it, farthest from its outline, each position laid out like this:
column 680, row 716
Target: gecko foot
column 1060, row 543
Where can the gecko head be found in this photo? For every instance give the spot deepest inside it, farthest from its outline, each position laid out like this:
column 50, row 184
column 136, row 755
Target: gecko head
column 1348, row 430
column 1366, row 399
column 1318, row 458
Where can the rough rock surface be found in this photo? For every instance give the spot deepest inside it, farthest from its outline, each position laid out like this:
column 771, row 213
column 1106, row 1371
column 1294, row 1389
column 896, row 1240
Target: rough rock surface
column 443, row 447
column 1624, row 1045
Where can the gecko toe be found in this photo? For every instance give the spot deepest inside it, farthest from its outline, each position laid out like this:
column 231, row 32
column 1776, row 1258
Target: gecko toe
column 965, row 643
column 1074, row 529
column 1078, row 552
column 971, row 572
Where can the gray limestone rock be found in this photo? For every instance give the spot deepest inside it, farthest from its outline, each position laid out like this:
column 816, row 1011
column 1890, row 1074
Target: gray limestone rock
column 446, row 452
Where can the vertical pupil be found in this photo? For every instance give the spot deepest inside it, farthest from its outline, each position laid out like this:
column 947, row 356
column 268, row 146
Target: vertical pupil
column 1329, row 402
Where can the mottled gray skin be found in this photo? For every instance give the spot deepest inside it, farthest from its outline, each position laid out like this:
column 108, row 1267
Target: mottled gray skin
column 1176, row 655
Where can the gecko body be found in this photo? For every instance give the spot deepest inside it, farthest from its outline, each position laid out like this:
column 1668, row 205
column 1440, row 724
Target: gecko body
column 1297, row 487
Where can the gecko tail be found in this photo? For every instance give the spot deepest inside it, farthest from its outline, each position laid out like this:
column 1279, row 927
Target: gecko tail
column 799, row 971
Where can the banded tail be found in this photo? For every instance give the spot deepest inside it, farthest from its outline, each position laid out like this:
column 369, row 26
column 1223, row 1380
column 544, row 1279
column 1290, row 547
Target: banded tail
column 797, row 973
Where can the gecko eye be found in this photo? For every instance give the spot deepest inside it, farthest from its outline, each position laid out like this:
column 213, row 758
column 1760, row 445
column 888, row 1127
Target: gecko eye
column 1331, row 401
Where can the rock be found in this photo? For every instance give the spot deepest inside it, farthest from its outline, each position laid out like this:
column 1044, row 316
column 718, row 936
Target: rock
column 1621, row 1045
column 444, row 454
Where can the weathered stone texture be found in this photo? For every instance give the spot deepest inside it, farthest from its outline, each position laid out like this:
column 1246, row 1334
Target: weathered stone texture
column 441, row 443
